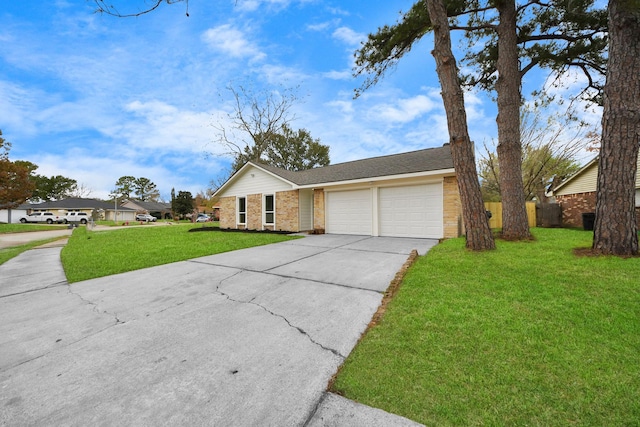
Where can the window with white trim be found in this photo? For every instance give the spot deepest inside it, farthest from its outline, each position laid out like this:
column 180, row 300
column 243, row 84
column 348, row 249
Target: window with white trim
column 242, row 210
column 269, row 209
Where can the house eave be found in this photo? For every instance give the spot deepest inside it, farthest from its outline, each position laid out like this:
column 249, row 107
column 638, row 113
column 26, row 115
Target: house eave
column 424, row 174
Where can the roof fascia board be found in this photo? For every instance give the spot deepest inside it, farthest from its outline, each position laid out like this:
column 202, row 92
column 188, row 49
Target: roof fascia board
column 442, row 172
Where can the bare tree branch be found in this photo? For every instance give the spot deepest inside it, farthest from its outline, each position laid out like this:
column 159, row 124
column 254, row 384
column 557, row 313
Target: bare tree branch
column 109, row 9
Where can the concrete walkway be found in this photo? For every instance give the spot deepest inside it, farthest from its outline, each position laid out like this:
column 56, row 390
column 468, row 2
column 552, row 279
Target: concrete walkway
column 244, row 338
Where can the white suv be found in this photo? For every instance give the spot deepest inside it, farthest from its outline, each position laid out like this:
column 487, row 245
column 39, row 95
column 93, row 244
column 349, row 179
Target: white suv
column 47, row 217
column 81, row 217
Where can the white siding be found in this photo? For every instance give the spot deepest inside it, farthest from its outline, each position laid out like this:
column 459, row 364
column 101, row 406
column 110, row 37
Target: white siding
column 306, row 209
column 586, row 182
column 255, row 181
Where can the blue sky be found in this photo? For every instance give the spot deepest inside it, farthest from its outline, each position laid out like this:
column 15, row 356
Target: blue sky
column 94, row 98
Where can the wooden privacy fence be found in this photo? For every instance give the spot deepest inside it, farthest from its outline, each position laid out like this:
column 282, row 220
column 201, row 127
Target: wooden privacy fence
column 496, row 213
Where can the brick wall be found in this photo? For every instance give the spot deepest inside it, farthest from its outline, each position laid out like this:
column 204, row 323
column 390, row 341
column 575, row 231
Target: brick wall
column 453, row 226
column 287, row 212
column 574, row 205
column 228, row 212
column 254, row 212
column 318, row 209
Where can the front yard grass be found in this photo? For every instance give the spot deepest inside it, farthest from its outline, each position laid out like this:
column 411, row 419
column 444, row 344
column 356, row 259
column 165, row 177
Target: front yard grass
column 529, row 334
column 91, row 254
column 24, row 228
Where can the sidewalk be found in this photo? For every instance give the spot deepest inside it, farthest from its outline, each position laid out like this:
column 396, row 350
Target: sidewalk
column 8, row 240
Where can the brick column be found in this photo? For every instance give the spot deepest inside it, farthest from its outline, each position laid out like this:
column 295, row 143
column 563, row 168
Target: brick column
column 228, row 212
column 318, row 209
column 254, row 212
column 288, row 211
column 452, row 215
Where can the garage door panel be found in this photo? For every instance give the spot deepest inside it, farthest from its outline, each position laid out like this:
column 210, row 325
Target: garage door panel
column 411, row 211
column 349, row 212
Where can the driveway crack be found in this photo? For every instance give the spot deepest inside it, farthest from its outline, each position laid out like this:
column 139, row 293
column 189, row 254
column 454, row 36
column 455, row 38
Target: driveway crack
column 291, row 325
column 53, row 285
column 94, row 306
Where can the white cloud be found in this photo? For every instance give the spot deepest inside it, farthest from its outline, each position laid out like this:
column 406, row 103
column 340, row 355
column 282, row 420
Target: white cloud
column 403, row 110
column 338, row 75
column 165, row 129
column 231, row 41
column 345, row 107
column 348, row 36
column 317, row 27
column 253, row 5
column 279, row 75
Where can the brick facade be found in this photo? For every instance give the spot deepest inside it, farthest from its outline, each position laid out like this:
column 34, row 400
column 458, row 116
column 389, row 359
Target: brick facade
column 254, row 212
column 287, row 210
column 574, row 205
column 318, row 210
column 452, row 215
column 228, row 212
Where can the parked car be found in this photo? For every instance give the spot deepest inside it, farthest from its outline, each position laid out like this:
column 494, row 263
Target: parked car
column 81, row 217
column 203, row 218
column 145, row 217
column 47, row 217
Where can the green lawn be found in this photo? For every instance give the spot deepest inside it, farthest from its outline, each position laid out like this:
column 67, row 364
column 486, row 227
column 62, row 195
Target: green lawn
column 24, row 228
column 529, row 334
column 91, row 254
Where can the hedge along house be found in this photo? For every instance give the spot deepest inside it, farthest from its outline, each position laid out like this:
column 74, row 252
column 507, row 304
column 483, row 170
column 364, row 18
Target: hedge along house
column 412, row 194
column 577, row 194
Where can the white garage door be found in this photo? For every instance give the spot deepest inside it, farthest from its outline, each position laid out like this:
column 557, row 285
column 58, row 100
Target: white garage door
column 349, row 212
column 412, row 211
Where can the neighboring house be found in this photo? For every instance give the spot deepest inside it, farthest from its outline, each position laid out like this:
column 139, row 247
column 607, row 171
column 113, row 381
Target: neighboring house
column 158, row 209
column 212, row 211
column 12, row 216
column 97, row 209
column 404, row 195
column 577, row 194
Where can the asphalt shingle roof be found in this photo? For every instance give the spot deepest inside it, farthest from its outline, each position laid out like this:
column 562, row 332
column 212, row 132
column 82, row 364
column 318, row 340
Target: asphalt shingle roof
column 429, row 159
column 152, row 206
column 75, row 203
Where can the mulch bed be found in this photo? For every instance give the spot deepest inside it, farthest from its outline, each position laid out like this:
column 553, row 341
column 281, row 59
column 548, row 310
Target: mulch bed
column 233, row 230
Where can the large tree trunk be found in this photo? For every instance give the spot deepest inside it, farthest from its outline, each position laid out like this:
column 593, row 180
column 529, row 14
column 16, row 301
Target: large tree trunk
column 479, row 235
column 615, row 231
column 515, row 225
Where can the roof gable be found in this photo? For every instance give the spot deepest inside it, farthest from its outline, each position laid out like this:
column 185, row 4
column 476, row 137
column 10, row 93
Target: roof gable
column 586, row 179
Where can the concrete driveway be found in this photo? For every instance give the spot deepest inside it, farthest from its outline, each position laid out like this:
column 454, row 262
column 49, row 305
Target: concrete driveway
column 244, row 338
